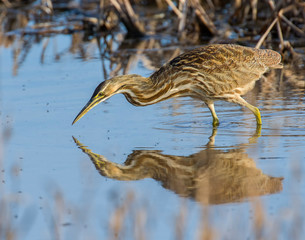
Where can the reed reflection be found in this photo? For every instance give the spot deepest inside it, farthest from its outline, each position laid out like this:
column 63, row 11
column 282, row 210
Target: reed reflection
column 211, row 176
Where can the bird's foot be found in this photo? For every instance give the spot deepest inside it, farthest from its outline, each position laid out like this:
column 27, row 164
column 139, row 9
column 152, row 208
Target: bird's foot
column 215, row 122
column 257, row 116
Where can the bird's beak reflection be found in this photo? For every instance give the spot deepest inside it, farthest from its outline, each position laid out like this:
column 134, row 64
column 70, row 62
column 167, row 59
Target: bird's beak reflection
column 91, row 104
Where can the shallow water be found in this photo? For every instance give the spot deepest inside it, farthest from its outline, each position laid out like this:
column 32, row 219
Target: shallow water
column 185, row 170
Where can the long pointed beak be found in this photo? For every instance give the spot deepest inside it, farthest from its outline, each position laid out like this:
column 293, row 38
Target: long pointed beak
column 91, row 104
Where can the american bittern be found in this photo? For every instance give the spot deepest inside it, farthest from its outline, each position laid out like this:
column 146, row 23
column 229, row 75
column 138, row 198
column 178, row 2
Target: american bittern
column 215, row 72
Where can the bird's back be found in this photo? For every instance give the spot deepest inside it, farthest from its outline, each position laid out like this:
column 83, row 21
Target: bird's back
column 222, row 66
column 217, row 55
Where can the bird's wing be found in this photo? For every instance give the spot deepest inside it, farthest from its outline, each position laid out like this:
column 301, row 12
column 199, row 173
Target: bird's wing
column 222, row 63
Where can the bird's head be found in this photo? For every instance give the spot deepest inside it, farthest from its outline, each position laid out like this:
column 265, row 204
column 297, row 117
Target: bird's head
column 105, row 90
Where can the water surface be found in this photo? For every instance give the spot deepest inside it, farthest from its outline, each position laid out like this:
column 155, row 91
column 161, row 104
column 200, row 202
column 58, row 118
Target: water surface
column 190, row 177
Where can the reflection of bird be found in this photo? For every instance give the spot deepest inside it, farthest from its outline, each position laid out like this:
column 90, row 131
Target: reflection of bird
column 211, row 176
column 214, row 72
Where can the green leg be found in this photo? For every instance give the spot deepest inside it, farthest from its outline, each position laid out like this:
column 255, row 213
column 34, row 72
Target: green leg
column 253, row 109
column 256, row 113
column 258, row 116
column 214, row 115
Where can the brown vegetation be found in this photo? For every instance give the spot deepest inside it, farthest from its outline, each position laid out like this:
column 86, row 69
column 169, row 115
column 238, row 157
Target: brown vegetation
column 109, row 23
column 281, row 22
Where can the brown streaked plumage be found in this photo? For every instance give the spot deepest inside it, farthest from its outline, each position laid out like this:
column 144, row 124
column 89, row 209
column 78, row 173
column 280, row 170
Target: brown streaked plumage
column 215, row 72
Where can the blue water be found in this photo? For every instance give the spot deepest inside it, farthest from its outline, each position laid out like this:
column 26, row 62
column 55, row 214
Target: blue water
column 52, row 185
